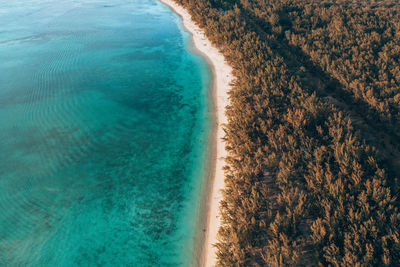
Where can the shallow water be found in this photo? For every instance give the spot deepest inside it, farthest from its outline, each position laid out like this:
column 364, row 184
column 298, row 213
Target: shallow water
column 103, row 130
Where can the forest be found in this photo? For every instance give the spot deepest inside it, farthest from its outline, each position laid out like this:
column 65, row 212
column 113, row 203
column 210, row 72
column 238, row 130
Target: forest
column 313, row 133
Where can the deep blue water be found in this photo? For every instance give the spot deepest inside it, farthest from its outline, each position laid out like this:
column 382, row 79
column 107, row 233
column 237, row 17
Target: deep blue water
column 103, row 132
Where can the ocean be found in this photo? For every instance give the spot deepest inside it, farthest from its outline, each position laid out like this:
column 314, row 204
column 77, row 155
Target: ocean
column 104, row 127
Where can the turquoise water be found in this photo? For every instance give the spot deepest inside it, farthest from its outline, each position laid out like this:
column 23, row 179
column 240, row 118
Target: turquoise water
column 103, row 130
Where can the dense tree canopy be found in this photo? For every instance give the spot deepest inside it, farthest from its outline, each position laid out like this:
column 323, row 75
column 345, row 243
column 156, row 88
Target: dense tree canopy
column 313, row 130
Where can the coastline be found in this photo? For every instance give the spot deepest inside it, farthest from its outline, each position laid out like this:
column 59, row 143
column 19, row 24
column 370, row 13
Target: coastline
column 221, row 80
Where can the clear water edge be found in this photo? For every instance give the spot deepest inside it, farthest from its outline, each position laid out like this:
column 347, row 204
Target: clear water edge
column 199, row 245
column 208, row 165
column 207, row 168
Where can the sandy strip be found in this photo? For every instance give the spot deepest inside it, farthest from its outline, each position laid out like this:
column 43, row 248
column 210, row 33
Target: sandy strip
column 222, row 79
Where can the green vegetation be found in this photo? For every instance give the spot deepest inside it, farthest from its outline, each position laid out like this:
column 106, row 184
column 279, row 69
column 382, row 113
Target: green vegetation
column 313, row 131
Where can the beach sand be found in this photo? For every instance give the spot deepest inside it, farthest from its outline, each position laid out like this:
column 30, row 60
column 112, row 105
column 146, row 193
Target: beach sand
column 222, row 75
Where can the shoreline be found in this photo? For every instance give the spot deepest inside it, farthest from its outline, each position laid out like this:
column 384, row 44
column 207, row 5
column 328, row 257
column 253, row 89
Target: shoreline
column 221, row 79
